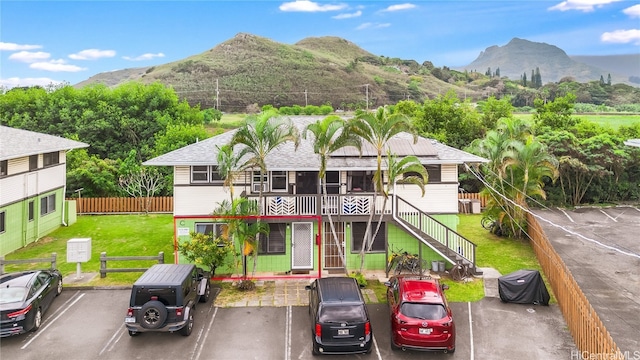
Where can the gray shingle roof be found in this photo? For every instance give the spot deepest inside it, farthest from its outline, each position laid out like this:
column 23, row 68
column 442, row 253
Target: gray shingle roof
column 285, row 157
column 15, row 143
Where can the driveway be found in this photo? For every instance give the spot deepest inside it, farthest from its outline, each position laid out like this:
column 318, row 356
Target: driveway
column 601, row 248
column 88, row 324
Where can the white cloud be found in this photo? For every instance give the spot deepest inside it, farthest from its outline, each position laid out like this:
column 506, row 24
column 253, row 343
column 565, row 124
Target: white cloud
column 29, row 56
column 92, row 54
column 56, row 66
column 581, row 5
column 622, row 36
column 633, row 11
column 399, row 7
column 309, row 6
column 142, row 57
column 348, row 16
column 17, row 47
column 15, row 82
column 369, row 25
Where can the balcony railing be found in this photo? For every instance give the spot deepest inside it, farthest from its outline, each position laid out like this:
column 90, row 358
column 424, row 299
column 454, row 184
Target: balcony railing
column 314, row 204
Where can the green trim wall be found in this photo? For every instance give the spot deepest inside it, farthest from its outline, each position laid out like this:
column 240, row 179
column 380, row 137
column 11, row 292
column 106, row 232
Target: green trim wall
column 280, row 264
column 20, row 231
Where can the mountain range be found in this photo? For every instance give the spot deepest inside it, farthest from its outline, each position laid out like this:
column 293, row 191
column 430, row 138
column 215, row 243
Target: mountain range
column 249, row 69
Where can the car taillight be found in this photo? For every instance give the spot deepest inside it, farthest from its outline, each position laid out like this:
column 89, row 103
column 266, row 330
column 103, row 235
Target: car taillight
column 19, row 312
column 318, row 330
column 367, row 328
column 130, row 312
column 179, row 311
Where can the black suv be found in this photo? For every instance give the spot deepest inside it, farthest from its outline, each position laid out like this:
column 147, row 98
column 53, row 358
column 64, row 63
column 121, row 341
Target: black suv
column 164, row 299
column 339, row 318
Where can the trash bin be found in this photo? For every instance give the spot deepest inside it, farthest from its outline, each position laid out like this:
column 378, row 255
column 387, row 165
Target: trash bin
column 441, row 266
column 475, row 206
column 434, row 266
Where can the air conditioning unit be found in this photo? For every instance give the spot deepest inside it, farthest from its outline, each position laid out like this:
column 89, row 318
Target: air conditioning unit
column 256, row 187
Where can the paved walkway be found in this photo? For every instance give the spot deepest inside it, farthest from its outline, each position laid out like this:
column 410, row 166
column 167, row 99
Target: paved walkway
column 292, row 292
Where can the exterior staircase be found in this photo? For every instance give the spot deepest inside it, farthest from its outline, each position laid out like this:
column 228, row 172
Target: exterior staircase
column 452, row 246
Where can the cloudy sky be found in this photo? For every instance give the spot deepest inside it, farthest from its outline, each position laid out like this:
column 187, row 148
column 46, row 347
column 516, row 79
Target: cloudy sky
column 44, row 42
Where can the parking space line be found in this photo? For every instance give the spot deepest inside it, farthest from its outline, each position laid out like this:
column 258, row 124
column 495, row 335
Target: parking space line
column 470, row 332
column 567, row 215
column 51, row 322
column 200, row 344
column 113, row 340
column 609, row 216
column 375, row 344
column 287, row 334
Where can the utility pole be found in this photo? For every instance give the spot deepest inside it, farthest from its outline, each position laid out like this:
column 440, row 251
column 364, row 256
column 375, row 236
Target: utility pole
column 217, row 96
column 367, row 92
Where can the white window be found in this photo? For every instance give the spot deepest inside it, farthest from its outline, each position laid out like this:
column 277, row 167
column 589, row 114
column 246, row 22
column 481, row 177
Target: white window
column 210, row 228
column 204, row 174
column 255, row 182
column 48, row 204
column 278, row 181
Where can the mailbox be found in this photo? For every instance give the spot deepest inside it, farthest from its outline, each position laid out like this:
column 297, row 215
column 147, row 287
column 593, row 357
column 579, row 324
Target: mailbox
column 79, row 250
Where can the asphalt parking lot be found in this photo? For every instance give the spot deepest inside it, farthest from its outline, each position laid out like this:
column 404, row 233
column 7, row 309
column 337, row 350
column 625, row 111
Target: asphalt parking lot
column 88, row 324
column 601, row 248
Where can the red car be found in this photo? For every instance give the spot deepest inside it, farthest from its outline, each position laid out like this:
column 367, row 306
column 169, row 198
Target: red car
column 420, row 315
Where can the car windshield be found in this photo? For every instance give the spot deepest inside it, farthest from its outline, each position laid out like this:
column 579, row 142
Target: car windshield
column 342, row 313
column 12, row 294
column 423, row 311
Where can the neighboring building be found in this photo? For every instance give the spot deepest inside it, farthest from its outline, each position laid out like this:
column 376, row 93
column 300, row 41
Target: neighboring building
column 633, row 142
column 300, row 240
column 33, row 177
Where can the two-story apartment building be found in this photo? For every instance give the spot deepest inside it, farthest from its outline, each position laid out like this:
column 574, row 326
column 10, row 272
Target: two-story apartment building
column 32, row 185
column 300, row 240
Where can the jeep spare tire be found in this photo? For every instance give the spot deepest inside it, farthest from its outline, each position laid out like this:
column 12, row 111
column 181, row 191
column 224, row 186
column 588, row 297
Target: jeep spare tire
column 153, row 314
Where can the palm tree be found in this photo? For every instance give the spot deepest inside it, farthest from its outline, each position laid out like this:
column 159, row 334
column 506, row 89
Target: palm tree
column 260, row 135
column 228, row 166
column 376, row 129
column 408, row 170
column 330, row 135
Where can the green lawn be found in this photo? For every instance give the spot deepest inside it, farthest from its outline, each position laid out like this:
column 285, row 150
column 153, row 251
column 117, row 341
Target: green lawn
column 117, row 235
column 147, row 235
column 613, row 121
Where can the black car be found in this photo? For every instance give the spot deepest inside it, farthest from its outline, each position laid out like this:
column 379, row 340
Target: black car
column 164, row 298
column 24, row 298
column 339, row 318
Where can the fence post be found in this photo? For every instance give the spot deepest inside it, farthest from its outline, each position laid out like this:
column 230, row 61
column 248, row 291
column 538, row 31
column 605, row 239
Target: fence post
column 103, row 264
column 54, row 257
column 1, row 264
column 161, row 257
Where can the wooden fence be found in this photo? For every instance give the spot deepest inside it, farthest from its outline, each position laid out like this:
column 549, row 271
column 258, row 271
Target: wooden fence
column 104, row 258
column 164, row 204
column 589, row 333
column 474, row 196
column 160, row 204
column 52, row 260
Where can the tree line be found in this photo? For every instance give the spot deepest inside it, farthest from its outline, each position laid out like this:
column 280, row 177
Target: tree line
column 132, row 123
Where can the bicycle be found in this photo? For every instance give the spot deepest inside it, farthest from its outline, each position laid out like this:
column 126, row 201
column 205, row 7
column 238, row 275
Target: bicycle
column 491, row 224
column 460, row 272
column 403, row 261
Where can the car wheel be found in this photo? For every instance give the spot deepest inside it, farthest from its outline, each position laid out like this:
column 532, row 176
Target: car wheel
column 133, row 333
column 188, row 327
column 393, row 345
column 314, row 350
column 207, row 293
column 451, row 351
column 37, row 320
column 59, row 288
column 153, row 315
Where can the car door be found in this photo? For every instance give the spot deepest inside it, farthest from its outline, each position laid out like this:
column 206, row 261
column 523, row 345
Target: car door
column 48, row 290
